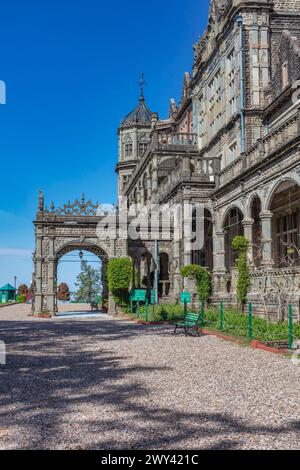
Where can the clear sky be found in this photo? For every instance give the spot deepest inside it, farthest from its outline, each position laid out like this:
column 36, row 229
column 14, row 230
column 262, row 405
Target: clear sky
column 71, row 69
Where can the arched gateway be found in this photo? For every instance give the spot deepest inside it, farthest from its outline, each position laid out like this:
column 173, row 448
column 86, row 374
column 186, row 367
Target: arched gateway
column 59, row 231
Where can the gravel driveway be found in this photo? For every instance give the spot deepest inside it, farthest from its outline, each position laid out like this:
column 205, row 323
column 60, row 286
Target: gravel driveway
column 108, row 384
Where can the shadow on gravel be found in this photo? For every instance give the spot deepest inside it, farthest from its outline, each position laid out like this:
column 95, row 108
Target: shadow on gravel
column 51, row 373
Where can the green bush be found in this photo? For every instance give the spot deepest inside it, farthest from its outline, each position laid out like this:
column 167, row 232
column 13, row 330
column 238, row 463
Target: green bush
column 241, row 244
column 203, row 279
column 119, row 275
column 22, row 299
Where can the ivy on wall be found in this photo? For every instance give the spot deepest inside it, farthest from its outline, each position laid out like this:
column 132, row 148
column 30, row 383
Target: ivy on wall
column 202, row 277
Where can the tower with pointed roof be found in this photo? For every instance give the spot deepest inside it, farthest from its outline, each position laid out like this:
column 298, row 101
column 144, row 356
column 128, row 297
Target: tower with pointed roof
column 134, row 137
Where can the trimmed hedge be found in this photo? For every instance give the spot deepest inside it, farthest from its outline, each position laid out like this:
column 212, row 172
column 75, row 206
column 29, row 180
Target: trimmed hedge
column 119, row 275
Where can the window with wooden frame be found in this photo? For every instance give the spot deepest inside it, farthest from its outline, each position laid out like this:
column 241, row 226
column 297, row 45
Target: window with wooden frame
column 128, row 150
column 142, row 148
column 287, row 243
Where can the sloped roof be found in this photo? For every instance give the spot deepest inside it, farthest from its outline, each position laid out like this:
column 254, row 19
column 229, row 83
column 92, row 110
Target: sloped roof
column 140, row 115
column 8, row 287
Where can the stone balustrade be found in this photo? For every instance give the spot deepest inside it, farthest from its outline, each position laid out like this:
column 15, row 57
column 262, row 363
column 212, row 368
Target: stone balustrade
column 274, row 140
column 176, row 139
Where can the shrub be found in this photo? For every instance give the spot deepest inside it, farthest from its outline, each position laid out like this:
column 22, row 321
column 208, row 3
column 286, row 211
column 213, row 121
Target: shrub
column 203, row 279
column 22, row 299
column 119, row 277
column 241, row 244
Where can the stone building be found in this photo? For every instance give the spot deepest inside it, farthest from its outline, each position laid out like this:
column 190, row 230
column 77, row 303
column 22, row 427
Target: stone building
column 231, row 144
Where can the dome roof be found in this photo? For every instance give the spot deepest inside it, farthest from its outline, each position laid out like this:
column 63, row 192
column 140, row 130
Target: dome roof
column 140, row 115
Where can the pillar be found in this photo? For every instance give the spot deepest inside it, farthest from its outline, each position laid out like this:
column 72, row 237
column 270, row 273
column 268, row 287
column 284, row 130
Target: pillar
column 248, row 233
column 51, row 294
column 266, row 225
column 38, row 260
column 187, row 234
column 219, row 270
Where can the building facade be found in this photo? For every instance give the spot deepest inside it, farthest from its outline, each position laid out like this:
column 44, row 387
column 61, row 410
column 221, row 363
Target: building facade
column 230, row 145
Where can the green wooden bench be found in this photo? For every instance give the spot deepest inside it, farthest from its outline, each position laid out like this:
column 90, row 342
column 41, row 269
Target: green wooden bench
column 190, row 323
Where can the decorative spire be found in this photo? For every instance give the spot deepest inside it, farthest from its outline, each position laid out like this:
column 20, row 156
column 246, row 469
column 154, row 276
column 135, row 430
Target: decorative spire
column 142, row 83
column 41, row 201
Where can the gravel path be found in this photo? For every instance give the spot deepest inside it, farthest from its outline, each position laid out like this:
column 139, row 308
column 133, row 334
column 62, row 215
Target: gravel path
column 108, row 384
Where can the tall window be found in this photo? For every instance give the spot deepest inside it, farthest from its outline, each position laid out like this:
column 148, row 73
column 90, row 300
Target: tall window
column 201, row 120
column 230, row 73
column 128, row 150
column 124, row 181
column 142, row 148
column 214, row 105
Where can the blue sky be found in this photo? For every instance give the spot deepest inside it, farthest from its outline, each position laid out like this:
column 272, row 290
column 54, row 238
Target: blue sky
column 71, row 70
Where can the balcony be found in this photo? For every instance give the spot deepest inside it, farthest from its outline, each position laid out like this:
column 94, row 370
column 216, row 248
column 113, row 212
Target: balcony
column 175, row 139
column 275, row 141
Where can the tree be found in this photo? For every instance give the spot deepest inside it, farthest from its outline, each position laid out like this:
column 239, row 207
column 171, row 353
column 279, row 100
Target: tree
column 63, row 292
column 22, row 289
column 241, row 245
column 88, row 283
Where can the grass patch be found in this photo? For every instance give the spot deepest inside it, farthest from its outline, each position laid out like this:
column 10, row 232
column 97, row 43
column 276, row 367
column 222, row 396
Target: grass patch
column 235, row 322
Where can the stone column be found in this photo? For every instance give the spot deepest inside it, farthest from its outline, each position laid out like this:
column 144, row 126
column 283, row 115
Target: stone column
column 51, row 278
column 38, row 259
column 219, row 271
column 186, row 166
column 248, row 233
column 187, row 234
column 176, row 284
column 221, row 251
column 266, row 225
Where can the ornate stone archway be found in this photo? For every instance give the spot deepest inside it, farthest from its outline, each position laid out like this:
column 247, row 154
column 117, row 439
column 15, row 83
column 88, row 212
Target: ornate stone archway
column 59, row 231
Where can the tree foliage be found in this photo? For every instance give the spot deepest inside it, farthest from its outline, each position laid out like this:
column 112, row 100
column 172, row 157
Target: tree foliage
column 22, row 289
column 119, row 276
column 202, row 277
column 63, row 292
column 88, row 283
column 240, row 244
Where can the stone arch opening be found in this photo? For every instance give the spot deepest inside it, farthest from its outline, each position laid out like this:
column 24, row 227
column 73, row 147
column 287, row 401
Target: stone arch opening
column 164, row 275
column 232, row 227
column 81, row 248
column 204, row 256
column 284, row 205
